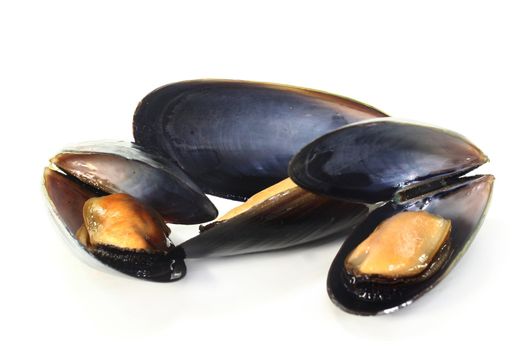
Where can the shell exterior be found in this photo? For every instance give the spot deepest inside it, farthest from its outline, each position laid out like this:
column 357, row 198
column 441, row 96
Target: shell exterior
column 464, row 203
column 155, row 267
column 286, row 220
column 235, row 138
column 121, row 167
column 373, row 161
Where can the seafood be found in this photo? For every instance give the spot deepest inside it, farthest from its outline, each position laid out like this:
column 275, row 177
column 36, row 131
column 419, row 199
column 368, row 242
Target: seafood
column 120, row 167
column 67, row 197
column 235, row 138
column 281, row 216
column 464, row 206
column 400, row 192
column 94, row 170
column 131, row 225
column 377, row 160
column 132, row 238
column 398, row 168
column 402, row 246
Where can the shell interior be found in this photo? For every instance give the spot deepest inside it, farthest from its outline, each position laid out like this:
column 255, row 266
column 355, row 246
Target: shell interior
column 119, row 167
column 66, row 197
column 464, row 204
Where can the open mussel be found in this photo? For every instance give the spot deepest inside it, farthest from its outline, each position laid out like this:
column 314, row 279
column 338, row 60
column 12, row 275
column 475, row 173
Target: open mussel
column 121, row 167
column 400, row 192
column 281, row 216
column 426, row 211
column 382, row 290
column 235, row 138
column 125, row 230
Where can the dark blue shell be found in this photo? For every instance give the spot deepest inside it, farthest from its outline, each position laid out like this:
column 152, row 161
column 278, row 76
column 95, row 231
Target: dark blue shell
column 292, row 218
column 371, row 161
column 236, row 138
column 121, row 167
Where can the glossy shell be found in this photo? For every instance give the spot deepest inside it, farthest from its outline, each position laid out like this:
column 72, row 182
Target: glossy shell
column 373, row 161
column 288, row 219
column 464, row 203
column 120, row 167
column 236, row 138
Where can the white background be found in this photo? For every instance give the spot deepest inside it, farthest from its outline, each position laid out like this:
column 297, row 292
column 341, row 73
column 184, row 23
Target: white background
column 72, row 72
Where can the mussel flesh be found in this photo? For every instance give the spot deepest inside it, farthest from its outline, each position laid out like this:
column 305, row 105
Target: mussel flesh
column 464, row 206
column 426, row 211
column 399, row 191
column 143, row 184
column 126, row 234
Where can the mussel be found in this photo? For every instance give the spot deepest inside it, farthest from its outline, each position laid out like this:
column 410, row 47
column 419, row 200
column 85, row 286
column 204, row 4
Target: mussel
column 235, row 138
column 400, row 192
column 125, row 232
column 147, row 192
column 281, row 216
column 122, row 167
column 426, row 214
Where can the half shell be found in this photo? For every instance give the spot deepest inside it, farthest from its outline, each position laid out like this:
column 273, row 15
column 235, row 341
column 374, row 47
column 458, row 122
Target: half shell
column 465, row 204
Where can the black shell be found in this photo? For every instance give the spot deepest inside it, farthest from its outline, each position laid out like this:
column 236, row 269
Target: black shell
column 464, row 203
column 371, row 161
column 289, row 219
column 236, row 138
column 121, row 167
column 67, row 195
column 157, row 267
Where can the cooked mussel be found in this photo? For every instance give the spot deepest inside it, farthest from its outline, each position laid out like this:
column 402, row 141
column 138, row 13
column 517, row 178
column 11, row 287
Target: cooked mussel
column 121, row 221
column 134, row 240
column 426, row 211
column 281, row 216
column 235, row 138
column 128, row 237
column 121, row 167
column 461, row 207
column 111, row 228
column 399, row 191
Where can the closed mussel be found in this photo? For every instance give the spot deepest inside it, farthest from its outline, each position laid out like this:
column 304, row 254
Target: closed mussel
column 426, row 210
column 281, row 216
column 235, row 138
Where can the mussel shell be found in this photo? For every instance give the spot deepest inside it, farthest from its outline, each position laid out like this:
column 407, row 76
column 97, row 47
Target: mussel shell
column 157, row 267
column 465, row 204
column 371, row 161
column 235, row 138
column 66, row 197
column 287, row 220
column 121, row 167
